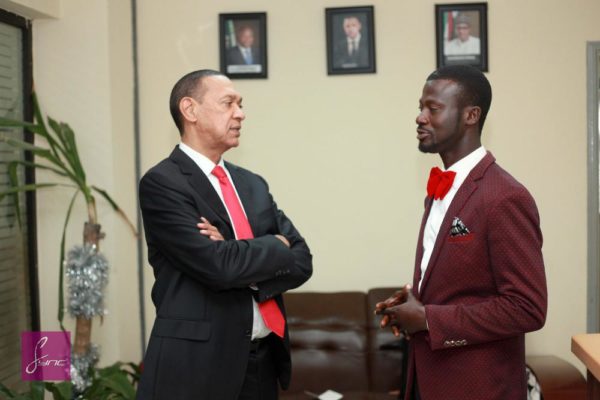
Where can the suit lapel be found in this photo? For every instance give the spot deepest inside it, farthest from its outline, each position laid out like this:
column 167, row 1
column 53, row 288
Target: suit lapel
column 419, row 255
column 200, row 183
column 463, row 194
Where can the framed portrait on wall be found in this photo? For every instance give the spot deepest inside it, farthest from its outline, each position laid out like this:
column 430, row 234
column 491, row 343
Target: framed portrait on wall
column 461, row 34
column 350, row 40
column 243, row 45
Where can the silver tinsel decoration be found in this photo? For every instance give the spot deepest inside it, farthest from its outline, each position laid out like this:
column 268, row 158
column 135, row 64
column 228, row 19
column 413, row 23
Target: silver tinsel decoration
column 87, row 271
column 80, row 367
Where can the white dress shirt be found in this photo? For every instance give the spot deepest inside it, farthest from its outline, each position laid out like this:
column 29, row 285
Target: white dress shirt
column 439, row 207
column 259, row 329
column 456, row 47
column 247, row 54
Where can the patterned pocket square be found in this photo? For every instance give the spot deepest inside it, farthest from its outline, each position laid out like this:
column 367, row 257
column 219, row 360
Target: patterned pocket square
column 458, row 228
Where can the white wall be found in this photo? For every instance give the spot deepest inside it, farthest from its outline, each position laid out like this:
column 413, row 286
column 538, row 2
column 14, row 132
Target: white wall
column 33, row 9
column 338, row 151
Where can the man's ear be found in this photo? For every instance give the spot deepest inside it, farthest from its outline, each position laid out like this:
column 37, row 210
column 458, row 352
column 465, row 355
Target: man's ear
column 471, row 115
column 187, row 108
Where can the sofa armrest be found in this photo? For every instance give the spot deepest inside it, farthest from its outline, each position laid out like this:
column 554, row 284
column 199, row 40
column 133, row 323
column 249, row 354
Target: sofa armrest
column 558, row 379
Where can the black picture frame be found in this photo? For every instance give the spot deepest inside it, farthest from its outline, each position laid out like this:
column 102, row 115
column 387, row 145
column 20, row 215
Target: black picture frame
column 461, row 35
column 239, row 62
column 343, row 55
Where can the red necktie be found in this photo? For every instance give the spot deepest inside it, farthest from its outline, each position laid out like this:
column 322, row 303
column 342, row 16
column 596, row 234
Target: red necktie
column 269, row 309
column 439, row 183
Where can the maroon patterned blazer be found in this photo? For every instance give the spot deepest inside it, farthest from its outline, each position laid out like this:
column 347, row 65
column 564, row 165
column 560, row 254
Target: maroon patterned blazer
column 482, row 291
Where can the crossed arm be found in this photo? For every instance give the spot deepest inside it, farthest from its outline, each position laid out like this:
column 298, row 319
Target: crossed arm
column 211, row 232
column 289, row 278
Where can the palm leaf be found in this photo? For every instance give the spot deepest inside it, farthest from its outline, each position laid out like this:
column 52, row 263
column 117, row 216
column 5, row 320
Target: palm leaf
column 14, row 182
column 39, row 119
column 67, row 150
column 26, row 146
column 29, row 164
column 63, row 159
column 116, row 208
column 28, row 188
column 37, row 128
column 37, row 112
column 30, row 126
column 41, row 152
column 61, row 297
column 72, row 145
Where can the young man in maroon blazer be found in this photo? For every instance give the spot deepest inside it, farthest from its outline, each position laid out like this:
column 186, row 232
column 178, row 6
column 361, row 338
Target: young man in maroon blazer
column 479, row 283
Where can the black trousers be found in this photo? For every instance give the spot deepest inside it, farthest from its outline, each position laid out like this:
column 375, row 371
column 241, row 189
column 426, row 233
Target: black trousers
column 260, row 382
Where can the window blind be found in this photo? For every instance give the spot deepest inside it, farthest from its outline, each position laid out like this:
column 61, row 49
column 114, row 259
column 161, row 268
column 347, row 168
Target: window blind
column 15, row 315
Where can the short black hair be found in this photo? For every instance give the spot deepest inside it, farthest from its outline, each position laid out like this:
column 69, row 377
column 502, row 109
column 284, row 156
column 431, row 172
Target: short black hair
column 188, row 86
column 475, row 88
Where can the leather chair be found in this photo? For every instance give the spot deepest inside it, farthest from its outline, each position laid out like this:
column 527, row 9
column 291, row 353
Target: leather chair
column 337, row 344
column 328, row 341
column 387, row 360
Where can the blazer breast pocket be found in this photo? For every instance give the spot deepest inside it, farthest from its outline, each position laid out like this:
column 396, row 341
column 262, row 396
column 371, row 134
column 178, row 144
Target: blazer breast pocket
column 461, row 238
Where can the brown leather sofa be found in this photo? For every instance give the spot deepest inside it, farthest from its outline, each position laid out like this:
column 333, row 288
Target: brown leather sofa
column 337, row 344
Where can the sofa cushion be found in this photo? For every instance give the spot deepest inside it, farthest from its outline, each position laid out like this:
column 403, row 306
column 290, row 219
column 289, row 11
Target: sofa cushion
column 328, row 339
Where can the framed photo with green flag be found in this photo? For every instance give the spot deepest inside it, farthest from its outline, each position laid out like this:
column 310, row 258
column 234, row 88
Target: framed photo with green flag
column 243, row 45
column 461, row 34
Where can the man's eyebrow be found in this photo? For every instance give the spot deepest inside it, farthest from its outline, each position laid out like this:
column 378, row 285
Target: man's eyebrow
column 232, row 97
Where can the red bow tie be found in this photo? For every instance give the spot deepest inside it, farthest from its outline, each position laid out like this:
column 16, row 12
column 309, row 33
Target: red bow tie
column 439, row 183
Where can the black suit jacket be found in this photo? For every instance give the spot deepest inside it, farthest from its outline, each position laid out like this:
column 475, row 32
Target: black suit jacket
column 359, row 59
column 199, row 344
column 235, row 56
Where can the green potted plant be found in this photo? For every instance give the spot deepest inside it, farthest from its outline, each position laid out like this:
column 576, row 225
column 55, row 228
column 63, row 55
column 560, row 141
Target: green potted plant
column 116, row 382
column 56, row 151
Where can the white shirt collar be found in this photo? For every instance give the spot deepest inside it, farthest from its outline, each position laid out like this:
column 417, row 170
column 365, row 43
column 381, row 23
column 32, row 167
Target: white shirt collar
column 355, row 40
column 205, row 163
column 464, row 166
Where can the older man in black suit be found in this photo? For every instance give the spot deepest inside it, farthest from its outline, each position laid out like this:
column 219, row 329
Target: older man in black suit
column 220, row 330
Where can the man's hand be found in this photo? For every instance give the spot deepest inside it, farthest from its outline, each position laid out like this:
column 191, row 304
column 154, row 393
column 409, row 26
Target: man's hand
column 207, row 229
column 408, row 316
column 398, row 297
column 283, row 239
